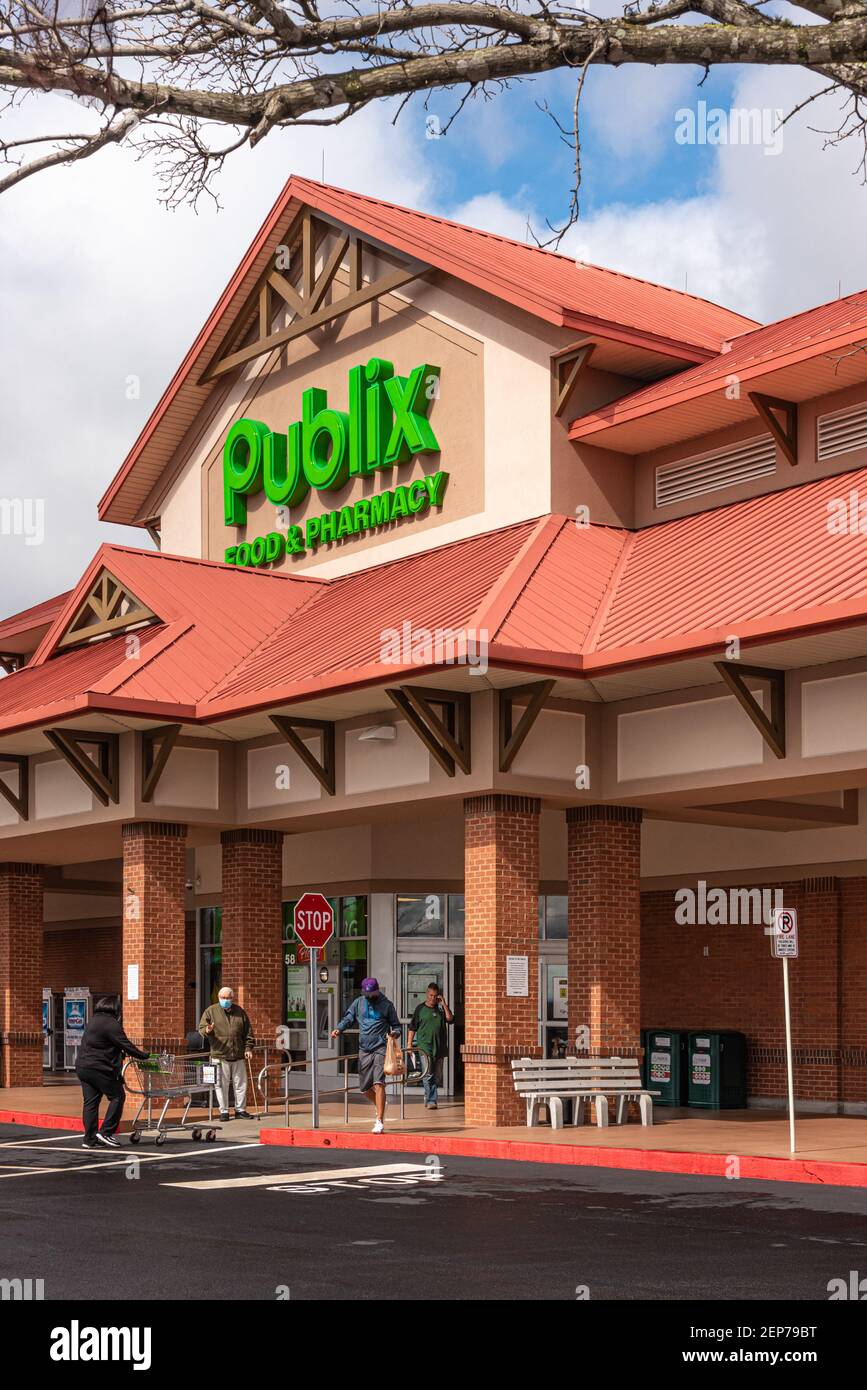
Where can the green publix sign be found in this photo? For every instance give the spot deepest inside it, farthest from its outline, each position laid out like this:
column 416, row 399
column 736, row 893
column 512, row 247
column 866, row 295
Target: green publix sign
column 386, row 425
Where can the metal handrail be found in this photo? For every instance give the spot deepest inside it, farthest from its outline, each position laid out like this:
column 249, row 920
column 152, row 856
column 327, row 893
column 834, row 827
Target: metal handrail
column 284, row 1068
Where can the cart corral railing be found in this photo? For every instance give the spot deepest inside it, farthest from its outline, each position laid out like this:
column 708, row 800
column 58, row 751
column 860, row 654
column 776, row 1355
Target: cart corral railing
column 281, row 1071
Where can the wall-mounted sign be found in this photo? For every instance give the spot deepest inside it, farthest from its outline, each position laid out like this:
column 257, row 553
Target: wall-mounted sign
column 386, row 425
column 517, row 977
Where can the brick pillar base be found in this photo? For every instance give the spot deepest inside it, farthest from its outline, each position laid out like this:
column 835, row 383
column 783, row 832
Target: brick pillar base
column 501, row 892
column 253, row 925
column 154, row 879
column 20, row 975
column 604, row 946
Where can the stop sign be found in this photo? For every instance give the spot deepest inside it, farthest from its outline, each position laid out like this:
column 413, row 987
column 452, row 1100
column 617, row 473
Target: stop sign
column 313, row 920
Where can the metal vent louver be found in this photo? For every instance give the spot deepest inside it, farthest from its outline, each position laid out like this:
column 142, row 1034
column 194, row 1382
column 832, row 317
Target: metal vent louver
column 842, row 431
column 739, row 463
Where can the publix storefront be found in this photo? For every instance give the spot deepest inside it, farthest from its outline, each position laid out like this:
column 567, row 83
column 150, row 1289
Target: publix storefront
column 447, row 603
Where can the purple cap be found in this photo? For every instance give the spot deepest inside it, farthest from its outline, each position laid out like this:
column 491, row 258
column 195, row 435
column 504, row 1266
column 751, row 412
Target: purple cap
column 370, row 986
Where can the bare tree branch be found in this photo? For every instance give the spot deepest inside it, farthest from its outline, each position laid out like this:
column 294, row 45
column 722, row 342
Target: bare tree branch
column 175, row 66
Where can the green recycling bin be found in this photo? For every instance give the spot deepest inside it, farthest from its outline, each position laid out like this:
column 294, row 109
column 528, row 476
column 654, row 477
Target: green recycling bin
column 717, row 1070
column 665, row 1065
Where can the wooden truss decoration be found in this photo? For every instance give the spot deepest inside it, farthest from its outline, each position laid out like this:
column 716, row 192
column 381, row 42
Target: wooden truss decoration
column 156, row 745
column 109, row 608
column 306, row 302
column 323, row 768
column 786, row 434
column 569, row 366
column 101, row 777
column 510, row 736
column 771, row 727
column 446, row 736
column 20, row 800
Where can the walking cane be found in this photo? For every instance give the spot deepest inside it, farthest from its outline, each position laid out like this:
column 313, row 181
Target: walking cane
column 253, row 1088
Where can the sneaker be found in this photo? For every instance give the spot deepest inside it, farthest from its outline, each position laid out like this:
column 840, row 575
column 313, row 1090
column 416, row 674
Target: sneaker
column 430, row 1105
column 224, row 1117
column 89, row 1144
column 244, row 1115
column 379, row 1127
column 108, row 1139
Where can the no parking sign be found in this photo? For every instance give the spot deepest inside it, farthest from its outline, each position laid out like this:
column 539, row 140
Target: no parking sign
column 784, row 940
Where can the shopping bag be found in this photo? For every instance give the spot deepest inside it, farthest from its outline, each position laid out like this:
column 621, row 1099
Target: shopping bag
column 393, row 1058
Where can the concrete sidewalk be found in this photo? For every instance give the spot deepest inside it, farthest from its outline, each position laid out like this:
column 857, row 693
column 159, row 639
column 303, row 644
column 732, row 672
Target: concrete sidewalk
column 744, row 1143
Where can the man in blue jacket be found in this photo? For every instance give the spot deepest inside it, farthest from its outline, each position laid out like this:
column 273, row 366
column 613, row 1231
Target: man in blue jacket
column 375, row 1017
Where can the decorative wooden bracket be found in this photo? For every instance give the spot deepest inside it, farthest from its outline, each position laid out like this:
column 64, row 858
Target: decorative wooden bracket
column 447, row 737
column 20, row 801
column 510, row 738
column 323, row 769
column 569, row 366
column 153, row 760
column 786, row 434
column 773, row 728
column 109, row 607
column 305, row 302
column 102, row 777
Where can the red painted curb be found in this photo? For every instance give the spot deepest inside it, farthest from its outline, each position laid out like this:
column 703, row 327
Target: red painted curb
column 38, row 1121
column 583, row 1156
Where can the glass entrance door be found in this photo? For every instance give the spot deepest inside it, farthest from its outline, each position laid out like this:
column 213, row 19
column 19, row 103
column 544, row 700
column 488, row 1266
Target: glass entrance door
column 553, row 1013
column 446, row 971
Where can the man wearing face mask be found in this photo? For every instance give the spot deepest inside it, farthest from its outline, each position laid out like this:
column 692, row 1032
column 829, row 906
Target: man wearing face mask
column 375, row 1017
column 229, row 1033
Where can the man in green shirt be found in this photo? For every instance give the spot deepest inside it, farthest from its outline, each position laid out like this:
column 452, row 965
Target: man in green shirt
column 428, row 1031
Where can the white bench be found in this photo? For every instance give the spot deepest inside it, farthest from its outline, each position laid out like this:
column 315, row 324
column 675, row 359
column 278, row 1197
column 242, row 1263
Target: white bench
column 547, row 1082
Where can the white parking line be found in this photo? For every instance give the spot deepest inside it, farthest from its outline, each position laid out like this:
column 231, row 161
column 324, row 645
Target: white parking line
column 322, row 1175
column 203, row 1152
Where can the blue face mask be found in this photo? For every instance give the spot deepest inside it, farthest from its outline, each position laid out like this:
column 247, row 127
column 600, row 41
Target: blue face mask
column 225, row 1003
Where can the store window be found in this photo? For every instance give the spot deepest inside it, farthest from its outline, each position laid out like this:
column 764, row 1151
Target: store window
column 210, row 955
column 420, row 914
column 432, row 915
column 553, row 917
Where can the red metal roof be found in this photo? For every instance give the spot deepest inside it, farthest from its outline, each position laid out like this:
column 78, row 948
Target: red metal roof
column 29, row 620
column 546, row 596
column 752, row 354
column 550, row 286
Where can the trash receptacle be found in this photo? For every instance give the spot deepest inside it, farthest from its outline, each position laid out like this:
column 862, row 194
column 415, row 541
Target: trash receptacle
column 665, row 1065
column 717, row 1070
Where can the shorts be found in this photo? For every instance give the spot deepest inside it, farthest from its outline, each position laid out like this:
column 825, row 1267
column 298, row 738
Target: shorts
column 371, row 1069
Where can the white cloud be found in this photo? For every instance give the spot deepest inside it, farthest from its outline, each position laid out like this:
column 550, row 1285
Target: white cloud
column 101, row 285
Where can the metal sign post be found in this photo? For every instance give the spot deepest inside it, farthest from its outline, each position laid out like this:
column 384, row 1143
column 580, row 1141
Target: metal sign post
column 314, row 1039
column 785, row 948
column 314, row 926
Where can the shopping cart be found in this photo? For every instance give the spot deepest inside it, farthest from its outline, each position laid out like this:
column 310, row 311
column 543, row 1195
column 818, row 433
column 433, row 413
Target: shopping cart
column 167, row 1078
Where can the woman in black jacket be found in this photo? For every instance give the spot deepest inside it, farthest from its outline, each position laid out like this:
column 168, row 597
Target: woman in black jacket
column 98, row 1067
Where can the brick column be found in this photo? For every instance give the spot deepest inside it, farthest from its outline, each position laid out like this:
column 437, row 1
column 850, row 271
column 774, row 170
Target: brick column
column 501, row 891
column 154, row 878
column 817, row 989
column 853, row 980
column 21, row 974
column 253, row 925
column 604, row 946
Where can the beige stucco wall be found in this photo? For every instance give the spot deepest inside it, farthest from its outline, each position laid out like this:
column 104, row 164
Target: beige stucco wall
column 506, row 456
